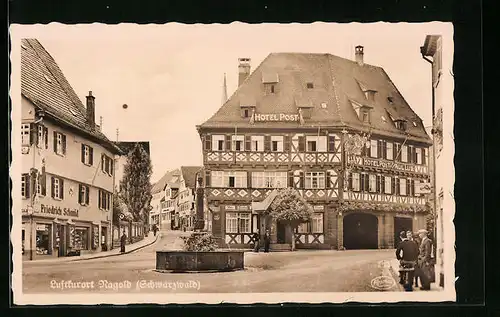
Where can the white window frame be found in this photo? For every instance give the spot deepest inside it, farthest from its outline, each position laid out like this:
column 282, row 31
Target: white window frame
column 418, row 152
column 269, row 179
column 86, row 154
column 317, row 224
column 303, row 227
column 240, row 179
column 387, row 185
column 374, row 148
column 41, row 136
column 24, row 185
column 57, row 191
column 235, row 139
column 402, row 186
column 257, row 143
column 231, row 222
column 312, row 177
column 404, row 153
column 84, row 188
column 215, row 142
column 321, row 143
column 59, row 143
column 279, row 146
column 389, row 154
column 372, row 183
column 355, row 182
column 244, row 223
column 25, row 134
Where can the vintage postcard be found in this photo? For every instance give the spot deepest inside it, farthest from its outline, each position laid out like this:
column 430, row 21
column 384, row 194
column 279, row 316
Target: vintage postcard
column 236, row 163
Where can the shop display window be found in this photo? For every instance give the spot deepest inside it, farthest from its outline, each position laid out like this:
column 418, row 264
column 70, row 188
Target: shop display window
column 43, row 232
column 81, row 238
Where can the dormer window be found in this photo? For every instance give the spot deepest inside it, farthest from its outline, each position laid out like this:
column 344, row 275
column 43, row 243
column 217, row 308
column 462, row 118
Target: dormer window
column 306, row 112
column 370, row 95
column 310, row 85
column 365, row 116
column 272, row 89
column 270, row 81
column 246, row 111
column 400, row 124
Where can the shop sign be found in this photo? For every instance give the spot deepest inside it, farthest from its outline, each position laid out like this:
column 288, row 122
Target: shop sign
column 230, row 207
column 216, row 217
column 41, row 227
column 244, row 208
column 276, row 117
column 318, row 207
column 422, row 188
column 58, row 211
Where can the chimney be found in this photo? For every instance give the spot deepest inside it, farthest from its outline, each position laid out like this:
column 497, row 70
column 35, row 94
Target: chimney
column 359, row 55
column 243, row 69
column 91, row 110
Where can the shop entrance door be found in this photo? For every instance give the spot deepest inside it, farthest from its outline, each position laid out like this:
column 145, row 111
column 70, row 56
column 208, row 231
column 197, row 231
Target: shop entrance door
column 62, row 240
column 281, row 232
column 360, row 231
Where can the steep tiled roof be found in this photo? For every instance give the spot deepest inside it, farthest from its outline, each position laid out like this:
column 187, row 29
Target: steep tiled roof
column 128, row 146
column 336, row 82
column 189, row 175
column 44, row 84
column 163, row 182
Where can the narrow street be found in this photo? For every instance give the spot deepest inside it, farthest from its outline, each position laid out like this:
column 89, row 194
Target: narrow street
column 300, row 271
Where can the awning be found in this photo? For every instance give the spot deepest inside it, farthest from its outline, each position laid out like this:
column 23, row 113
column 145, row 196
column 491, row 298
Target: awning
column 261, row 206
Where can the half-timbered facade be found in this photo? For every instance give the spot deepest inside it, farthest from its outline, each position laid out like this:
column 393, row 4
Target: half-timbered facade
column 298, row 121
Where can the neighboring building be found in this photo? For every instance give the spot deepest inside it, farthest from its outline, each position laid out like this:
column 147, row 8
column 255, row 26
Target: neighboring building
column 67, row 164
column 186, row 207
column 443, row 138
column 338, row 131
column 163, row 206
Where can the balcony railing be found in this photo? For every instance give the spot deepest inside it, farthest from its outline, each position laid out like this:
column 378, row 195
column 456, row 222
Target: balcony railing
column 249, row 157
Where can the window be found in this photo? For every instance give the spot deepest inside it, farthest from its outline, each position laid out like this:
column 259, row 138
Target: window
column 57, row 186
column 41, row 185
column 311, row 146
column 107, row 164
column 81, row 238
column 310, row 85
column 25, row 185
column 245, row 113
column 244, row 222
column 43, row 234
column 372, row 185
column 402, row 186
column 257, row 143
column 365, row 116
column 303, row 228
column 238, row 222
column 59, row 143
column 404, row 153
column 355, row 182
column 277, row 143
column 269, row 179
column 25, row 134
column 231, row 222
column 272, row 89
column 42, row 137
column 418, row 154
column 104, row 200
column 317, row 223
column 217, row 179
column 315, row 180
column 238, row 142
column 316, row 143
column 234, row 179
column 373, row 148
column 83, row 194
column 218, row 142
column 389, row 154
column 388, row 185
column 87, row 155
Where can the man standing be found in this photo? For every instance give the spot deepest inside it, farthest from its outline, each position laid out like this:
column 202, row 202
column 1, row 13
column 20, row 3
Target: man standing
column 402, row 238
column 408, row 261
column 123, row 241
column 256, row 237
column 267, row 241
column 425, row 261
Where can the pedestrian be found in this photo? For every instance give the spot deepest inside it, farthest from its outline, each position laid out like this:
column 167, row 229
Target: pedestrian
column 425, row 261
column 256, row 238
column 123, row 241
column 402, row 237
column 267, row 241
column 417, row 240
column 408, row 260
column 155, row 229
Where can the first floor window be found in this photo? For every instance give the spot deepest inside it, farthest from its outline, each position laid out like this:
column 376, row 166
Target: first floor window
column 218, row 142
column 373, row 148
column 83, row 196
column 317, row 223
column 257, row 143
column 315, row 180
column 355, row 182
column 404, row 153
column 107, row 164
column 269, row 179
column 25, row 134
column 57, row 187
column 231, row 222
column 25, row 185
column 311, row 146
column 238, row 142
column 244, row 223
column 388, row 184
column 388, row 152
column 104, row 200
column 277, row 143
column 418, row 154
column 372, row 186
column 402, row 186
column 59, row 143
column 238, row 222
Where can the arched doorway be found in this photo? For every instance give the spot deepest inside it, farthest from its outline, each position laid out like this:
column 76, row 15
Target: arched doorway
column 360, row 231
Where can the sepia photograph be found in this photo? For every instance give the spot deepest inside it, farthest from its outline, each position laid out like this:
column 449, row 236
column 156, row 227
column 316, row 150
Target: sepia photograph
column 239, row 163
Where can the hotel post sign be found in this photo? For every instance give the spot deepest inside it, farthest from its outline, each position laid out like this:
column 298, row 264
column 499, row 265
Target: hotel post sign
column 276, row 117
column 363, row 161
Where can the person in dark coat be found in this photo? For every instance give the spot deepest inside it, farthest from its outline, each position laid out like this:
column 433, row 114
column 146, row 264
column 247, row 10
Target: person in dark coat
column 267, row 240
column 425, row 263
column 123, row 241
column 256, row 246
column 407, row 253
column 155, row 229
column 417, row 240
column 402, row 237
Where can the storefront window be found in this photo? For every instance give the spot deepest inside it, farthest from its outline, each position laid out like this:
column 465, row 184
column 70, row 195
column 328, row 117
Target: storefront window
column 43, row 239
column 81, row 238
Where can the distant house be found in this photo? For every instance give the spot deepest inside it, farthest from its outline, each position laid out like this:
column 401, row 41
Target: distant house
column 186, row 207
column 162, row 202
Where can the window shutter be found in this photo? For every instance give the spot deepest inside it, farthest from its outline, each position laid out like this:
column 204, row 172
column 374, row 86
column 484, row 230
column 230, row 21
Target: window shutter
column 378, row 183
column 248, row 143
column 43, row 179
column 367, row 183
column 32, row 133
column 208, row 142
column 302, row 180
column 207, row 178
column 393, row 185
column 55, row 142
column 327, row 180
column 368, row 151
column 409, row 153
column 302, row 144
column 64, row 144
column 361, row 181
column 398, row 186
column 412, row 187
column 384, row 149
column 111, row 167
column 331, row 143
column 286, row 143
column 382, row 184
column 408, row 187
column 82, row 156
column 228, row 142
column 61, row 188
column 28, row 183
column 80, row 200
column 100, row 199
column 46, row 136
column 91, row 154
column 349, row 186
column 379, row 149
column 291, row 179
column 424, row 150
column 414, row 155
column 52, row 193
column 102, row 162
column 267, row 143
column 249, row 179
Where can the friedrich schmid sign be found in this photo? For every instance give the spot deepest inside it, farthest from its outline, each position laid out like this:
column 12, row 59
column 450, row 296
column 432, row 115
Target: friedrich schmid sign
column 283, row 117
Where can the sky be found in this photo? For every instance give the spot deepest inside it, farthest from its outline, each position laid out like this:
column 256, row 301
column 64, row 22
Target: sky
column 171, row 75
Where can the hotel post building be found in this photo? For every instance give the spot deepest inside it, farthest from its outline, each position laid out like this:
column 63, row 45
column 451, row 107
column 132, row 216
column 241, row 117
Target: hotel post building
column 336, row 130
column 67, row 164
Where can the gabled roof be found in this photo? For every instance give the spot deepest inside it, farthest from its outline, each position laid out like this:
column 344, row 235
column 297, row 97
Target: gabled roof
column 189, row 175
column 163, row 182
column 126, row 147
column 336, row 82
column 44, row 84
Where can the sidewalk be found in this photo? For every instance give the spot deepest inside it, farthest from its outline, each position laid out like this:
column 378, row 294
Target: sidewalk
column 129, row 248
column 395, row 269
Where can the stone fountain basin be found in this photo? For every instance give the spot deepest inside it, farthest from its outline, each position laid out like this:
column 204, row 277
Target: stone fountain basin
column 190, row 261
